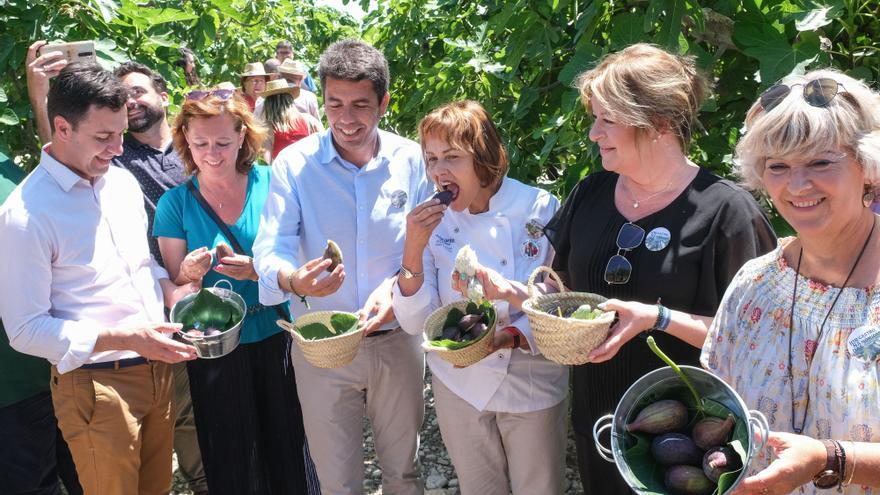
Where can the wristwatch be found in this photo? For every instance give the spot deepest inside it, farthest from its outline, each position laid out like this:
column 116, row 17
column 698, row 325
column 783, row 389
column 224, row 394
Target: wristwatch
column 829, row 477
column 406, row 273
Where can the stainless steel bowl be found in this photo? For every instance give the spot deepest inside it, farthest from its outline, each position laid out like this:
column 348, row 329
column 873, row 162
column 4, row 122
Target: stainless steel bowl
column 213, row 346
column 656, row 383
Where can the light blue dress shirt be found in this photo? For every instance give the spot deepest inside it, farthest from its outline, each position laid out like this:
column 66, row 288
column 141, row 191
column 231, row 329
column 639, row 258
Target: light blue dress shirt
column 315, row 195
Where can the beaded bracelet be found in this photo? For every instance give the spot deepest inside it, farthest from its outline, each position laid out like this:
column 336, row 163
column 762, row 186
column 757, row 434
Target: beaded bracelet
column 302, row 299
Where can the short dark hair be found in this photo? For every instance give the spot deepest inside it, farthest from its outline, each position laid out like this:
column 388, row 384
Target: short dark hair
column 80, row 85
column 131, row 66
column 355, row 60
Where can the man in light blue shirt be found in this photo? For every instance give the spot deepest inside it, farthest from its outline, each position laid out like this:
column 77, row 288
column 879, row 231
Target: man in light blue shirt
column 353, row 184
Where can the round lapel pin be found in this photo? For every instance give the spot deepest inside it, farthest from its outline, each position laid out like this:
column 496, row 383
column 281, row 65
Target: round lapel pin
column 657, row 239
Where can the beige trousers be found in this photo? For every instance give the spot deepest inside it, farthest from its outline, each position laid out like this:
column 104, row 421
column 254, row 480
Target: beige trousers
column 385, row 380
column 497, row 453
column 118, row 425
column 186, row 443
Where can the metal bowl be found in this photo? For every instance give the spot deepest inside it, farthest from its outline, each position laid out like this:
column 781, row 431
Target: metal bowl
column 213, row 346
column 658, row 382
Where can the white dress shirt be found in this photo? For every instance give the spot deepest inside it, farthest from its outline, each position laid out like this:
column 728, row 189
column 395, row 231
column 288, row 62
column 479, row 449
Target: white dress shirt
column 506, row 380
column 315, row 195
column 75, row 260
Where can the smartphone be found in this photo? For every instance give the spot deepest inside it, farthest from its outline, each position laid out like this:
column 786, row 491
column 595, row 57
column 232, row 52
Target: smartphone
column 77, row 51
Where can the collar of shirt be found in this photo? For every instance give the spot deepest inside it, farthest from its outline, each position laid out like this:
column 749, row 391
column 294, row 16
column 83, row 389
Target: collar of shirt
column 130, row 141
column 387, row 147
column 63, row 176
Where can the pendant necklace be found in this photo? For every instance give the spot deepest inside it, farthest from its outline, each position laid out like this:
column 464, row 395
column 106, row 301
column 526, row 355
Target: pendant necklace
column 809, row 363
column 636, row 201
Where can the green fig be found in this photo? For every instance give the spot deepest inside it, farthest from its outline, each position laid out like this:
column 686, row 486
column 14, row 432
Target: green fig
column 712, row 431
column 671, row 449
column 660, row 417
column 688, row 480
column 720, row 460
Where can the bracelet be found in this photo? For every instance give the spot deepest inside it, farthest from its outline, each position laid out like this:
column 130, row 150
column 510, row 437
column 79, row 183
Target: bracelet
column 302, row 299
column 664, row 316
column 852, row 471
column 841, row 465
column 515, row 332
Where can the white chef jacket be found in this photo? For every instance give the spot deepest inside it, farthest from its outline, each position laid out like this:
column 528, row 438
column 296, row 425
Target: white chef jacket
column 75, row 260
column 507, row 380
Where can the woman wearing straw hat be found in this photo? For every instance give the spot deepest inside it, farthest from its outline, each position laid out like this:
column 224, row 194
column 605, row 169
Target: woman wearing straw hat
column 280, row 114
column 253, row 82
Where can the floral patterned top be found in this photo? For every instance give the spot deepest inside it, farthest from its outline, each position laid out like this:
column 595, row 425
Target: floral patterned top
column 747, row 347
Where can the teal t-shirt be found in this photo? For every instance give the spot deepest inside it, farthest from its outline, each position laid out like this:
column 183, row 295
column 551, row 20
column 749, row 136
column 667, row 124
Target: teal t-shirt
column 21, row 375
column 179, row 215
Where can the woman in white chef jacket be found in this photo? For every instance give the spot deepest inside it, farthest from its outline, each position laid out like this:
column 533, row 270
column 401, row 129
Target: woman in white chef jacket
column 503, row 418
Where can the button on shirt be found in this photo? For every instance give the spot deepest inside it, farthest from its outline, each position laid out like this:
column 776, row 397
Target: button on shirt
column 156, row 171
column 507, row 380
column 74, row 259
column 315, row 195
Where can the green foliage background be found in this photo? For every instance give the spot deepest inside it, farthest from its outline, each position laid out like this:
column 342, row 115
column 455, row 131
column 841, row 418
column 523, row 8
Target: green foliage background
column 516, row 57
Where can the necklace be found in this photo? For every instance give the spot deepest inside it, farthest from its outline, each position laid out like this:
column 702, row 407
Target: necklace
column 636, row 201
column 797, row 272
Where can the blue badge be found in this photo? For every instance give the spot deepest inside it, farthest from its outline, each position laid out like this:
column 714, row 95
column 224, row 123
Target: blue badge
column 398, row 198
column 657, row 239
column 864, row 343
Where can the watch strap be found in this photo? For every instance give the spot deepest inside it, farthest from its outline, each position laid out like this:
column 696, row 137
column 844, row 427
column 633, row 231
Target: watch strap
column 829, row 476
column 407, row 273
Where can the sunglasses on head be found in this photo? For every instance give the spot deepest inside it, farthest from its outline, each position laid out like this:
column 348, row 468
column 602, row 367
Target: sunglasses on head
column 818, row 93
column 619, row 269
column 200, row 94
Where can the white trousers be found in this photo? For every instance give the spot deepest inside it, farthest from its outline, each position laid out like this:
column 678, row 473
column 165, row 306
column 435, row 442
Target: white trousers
column 386, row 379
column 498, row 453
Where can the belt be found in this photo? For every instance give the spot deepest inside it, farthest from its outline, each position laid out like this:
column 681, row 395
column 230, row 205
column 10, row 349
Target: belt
column 379, row 333
column 115, row 365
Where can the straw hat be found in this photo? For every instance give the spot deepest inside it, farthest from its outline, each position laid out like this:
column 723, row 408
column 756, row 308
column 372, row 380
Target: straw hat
column 254, row 69
column 291, row 66
column 279, row 86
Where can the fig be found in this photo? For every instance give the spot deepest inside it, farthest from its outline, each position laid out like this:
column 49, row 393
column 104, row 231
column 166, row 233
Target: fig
column 451, row 333
column 478, row 329
column 468, row 321
column 444, row 196
column 662, row 416
column 210, row 332
column 688, row 480
column 334, row 254
column 223, row 250
column 671, row 449
column 720, row 460
column 712, row 431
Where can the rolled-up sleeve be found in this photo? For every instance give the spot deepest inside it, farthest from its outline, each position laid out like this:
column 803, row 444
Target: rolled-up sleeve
column 412, row 311
column 277, row 241
column 26, row 265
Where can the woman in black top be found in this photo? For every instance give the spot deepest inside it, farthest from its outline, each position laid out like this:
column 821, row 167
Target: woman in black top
column 654, row 227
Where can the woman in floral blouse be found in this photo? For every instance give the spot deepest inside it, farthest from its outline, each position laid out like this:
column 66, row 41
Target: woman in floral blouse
column 798, row 331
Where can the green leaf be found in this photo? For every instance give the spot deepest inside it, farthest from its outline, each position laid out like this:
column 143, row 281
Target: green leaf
column 343, row 322
column 626, row 29
column 3, row 97
column 581, row 61
column 670, row 29
column 8, row 117
column 107, row 8
column 208, row 310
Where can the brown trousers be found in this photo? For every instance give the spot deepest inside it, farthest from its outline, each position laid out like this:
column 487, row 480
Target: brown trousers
column 118, row 424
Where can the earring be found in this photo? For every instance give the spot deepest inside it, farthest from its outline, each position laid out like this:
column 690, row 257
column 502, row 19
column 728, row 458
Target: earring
column 868, row 198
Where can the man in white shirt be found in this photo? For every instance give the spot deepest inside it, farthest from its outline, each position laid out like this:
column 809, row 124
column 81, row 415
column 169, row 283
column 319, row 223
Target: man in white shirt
column 82, row 291
column 294, row 72
column 353, row 184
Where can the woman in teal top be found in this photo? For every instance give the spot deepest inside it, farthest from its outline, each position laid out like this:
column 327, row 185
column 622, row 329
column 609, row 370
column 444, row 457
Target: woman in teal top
column 248, row 416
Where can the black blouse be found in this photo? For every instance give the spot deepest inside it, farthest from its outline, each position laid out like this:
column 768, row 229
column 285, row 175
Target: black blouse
column 715, row 228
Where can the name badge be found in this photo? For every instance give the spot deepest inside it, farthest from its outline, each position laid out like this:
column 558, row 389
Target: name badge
column 864, row 343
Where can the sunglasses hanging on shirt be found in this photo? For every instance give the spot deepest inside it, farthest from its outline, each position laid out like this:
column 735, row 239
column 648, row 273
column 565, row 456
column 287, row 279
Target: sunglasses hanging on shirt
column 619, row 269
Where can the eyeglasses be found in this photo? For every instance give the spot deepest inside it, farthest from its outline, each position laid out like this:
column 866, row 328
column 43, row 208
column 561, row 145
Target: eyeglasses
column 619, row 269
column 818, row 93
column 199, row 94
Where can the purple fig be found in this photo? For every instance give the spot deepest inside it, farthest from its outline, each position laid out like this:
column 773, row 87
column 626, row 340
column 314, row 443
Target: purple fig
column 660, row 417
column 478, row 329
column 444, row 196
column 451, row 333
column 720, row 460
column 671, row 449
column 210, row 332
column 712, row 431
column 688, row 480
column 468, row 321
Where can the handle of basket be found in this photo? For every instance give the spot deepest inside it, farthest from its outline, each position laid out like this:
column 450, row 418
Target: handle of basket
column 543, row 269
column 761, row 429
column 285, row 325
column 602, row 424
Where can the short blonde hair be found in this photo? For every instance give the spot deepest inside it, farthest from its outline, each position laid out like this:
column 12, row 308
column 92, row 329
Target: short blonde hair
column 212, row 106
column 467, row 126
column 850, row 122
column 648, row 88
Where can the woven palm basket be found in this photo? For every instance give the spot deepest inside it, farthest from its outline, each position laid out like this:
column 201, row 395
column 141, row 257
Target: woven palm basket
column 466, row 356
column 564, row 340
column 330, row 352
